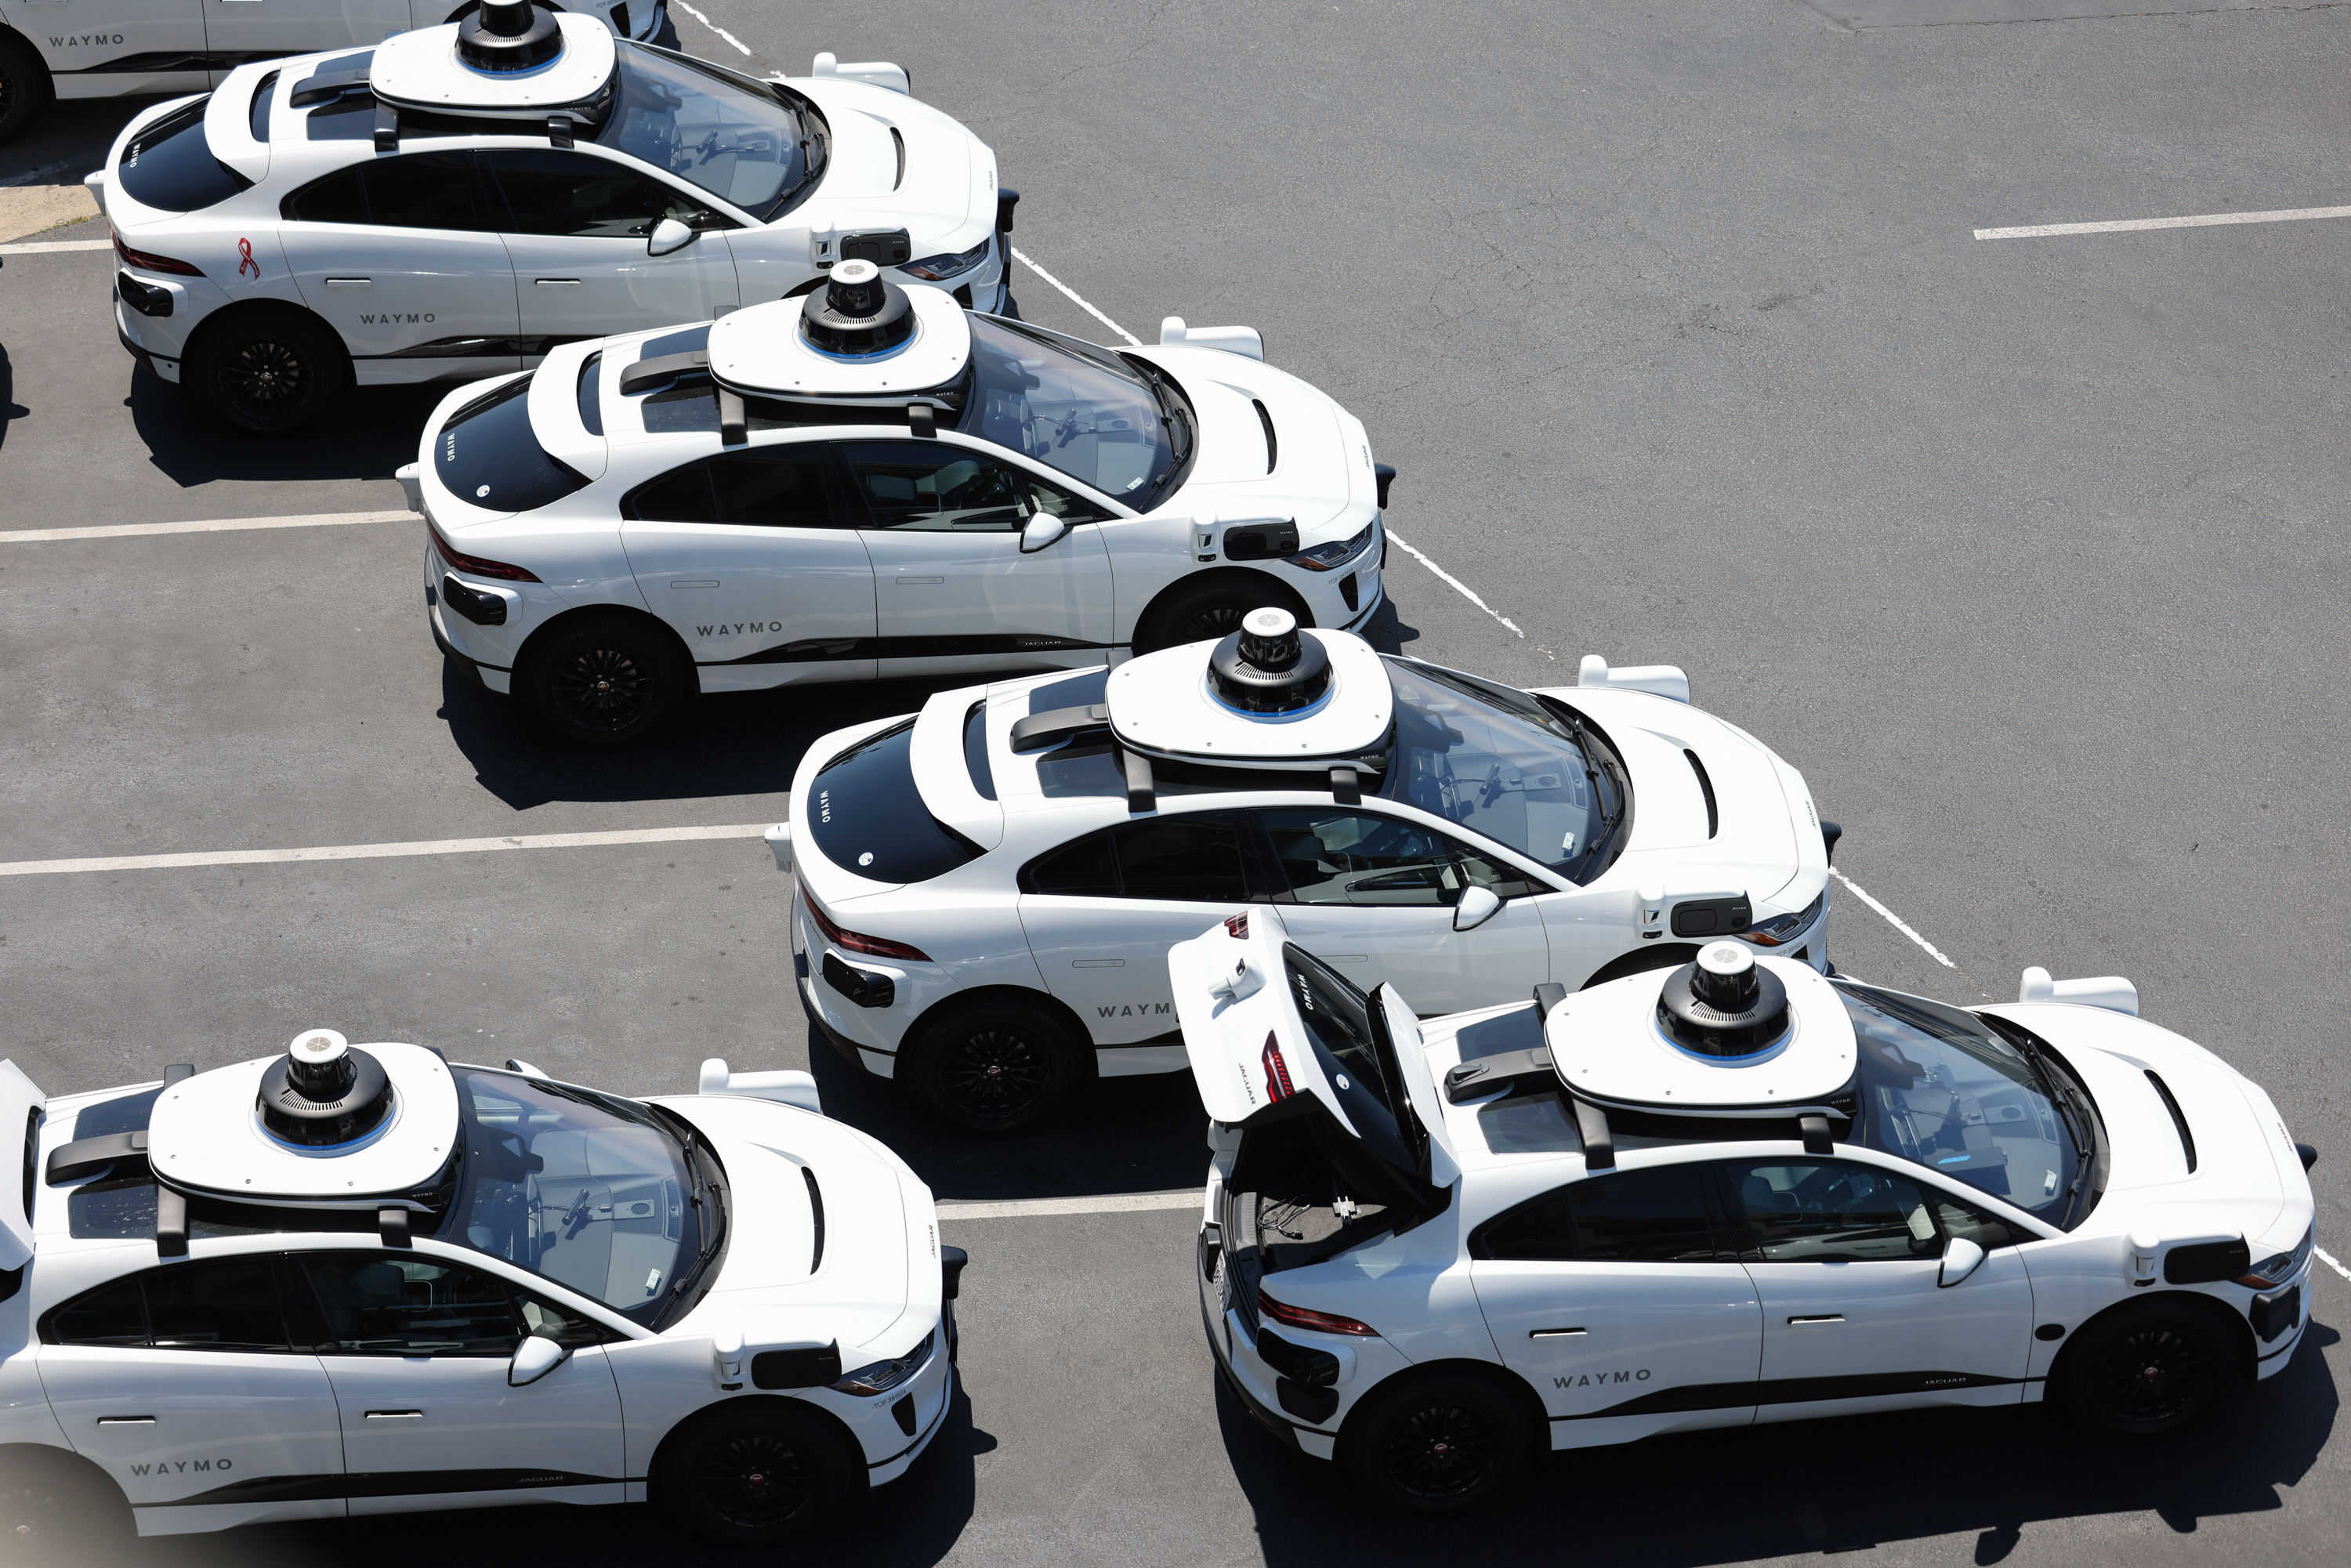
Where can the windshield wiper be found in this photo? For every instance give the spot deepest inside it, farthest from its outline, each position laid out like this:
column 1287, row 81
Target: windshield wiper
column 1608, row 820
column 2060, row 1096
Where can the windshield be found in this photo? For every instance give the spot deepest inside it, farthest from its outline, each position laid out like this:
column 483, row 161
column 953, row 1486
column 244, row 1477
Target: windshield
column 742, row 145
column 1501, row 764
column 1077, row 408
column 590, row 1192
column 1941, row 1089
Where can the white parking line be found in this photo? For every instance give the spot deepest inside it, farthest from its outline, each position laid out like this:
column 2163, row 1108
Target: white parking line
column 714, row 26
column 205, row 526
column 1896, row 921
column 1081, row 302
column 1459, row 587
column 1109, row 1203
column 380, row 851
column 2329, row 1259
column 2132, row 225
column 35, row 247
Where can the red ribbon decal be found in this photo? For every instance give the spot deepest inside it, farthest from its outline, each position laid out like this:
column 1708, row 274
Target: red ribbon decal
column 245, row 249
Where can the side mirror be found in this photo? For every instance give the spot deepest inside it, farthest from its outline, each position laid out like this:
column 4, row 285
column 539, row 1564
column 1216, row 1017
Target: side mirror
column 1043, row 532
column 534, row 1359
column 1477, row 907
column 668, row 235
column 1960, row 1259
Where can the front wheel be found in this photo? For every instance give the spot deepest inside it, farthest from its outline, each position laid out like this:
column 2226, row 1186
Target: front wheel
column 1434, row 1444
column 1207, row 611
column 2144, row 1372
column 768, row 1475
column 269, row 371
column 603, row 682
column 998, row 1068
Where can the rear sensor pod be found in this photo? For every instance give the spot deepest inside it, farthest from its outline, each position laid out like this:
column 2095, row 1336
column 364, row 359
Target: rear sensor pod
column 1266, row 667
column 322, row 1094
column 507, row 37
column 1724, row 1007
column 857, row 315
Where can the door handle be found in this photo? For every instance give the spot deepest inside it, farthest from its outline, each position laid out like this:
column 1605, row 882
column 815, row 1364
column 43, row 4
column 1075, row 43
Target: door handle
column 1555, row 1334
column 920, row 579
column 558, row 283
column 126, row 1420
column 696, row 583
column 395, row 1415
column 348, row 282
column 1816, row 1318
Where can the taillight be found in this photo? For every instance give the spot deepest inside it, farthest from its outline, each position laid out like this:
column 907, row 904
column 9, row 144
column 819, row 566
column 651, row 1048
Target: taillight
column 857, row 941
column 476, row 564
column 1276, row 1072
column 148, row 261
column 1300, row 1318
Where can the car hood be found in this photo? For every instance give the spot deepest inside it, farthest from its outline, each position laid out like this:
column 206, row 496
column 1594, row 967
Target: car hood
column 939, row 194
column 1320, row 475
column 880, row 1262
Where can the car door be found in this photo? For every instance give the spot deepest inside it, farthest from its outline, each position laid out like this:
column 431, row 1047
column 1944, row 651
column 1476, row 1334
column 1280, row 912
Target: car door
column 1846, row 1259
column 184, row 1384
column 1101, row 912
column 745, row 557
column 129, row 46
column 1621, row 1299
column 1374, row 894
column 576, row 225
column 953, row 590
column 236, row 31
column 418, row 1350
column 395, row 255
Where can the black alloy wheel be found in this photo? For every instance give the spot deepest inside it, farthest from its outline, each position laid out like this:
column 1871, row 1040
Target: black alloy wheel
column 602, row 690
column 267, row 370
column 756, row 1480
column 1438, row 1452
column 266, row 378
column 24, row 87
column 760, row 1473
column 1001, row 1067
column 994, row 1074
column 1434, row 1444
column 2144, row 1373
column 1210, row 608
column 602, row 680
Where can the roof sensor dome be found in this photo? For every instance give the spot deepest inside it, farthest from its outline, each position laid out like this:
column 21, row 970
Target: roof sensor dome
column 509, row 37
column 1266, row 667
column 1725, row 1007
column 322, row 1094
column 857, row 315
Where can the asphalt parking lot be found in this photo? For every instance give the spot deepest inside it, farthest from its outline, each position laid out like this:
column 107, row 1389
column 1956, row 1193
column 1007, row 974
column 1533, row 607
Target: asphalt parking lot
column 2028, row 552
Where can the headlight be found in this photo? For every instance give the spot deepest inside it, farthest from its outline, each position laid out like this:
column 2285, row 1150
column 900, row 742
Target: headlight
column 882, row 1376
column 2273, row 1271
column 939, row 268
column 1781, row 929
column 1332, row 555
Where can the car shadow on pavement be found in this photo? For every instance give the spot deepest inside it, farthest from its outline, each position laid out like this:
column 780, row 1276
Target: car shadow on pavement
column 1835, row 1484
column 373, row 433
column 913, row 1523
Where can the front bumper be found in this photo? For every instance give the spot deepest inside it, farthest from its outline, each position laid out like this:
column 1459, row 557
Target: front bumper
column 932, row 1392
column 2271, row 1356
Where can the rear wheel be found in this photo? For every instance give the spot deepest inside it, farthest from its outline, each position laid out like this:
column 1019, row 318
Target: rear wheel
column 1207, row 610
column 2145, row 1371
column 998, row 1067
column 604, row 681
column 53, row 1514
column 25, row 88
column 268, row 372
column 768, row 1475
column 1434, row 1444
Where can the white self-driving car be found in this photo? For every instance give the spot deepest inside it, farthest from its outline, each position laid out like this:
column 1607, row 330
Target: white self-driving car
column 1734, row 1193
column 112, row 49
column 987, row 890
column 458, row 200
column 868, row 482
column 365, row 1280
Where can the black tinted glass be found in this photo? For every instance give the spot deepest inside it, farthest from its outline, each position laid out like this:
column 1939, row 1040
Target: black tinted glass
column 257, row 115
column 1530, row 1124
column 426, row 191
column 1190, row 860
column 108, row 1317
column 590, row 393
column 871, row 818
column 777, row 490
column 1357, row 858
column 1640, row 1217
column 337, row 198
column 228, row 1305
column 554, row 192
column 680, row 495
column 1808, row 1213
column 115, row 1207
column 935, row 489
column 171, row 168
column 380, row 1306
column 1086, row 869
column 974, row 757
column 488, row 455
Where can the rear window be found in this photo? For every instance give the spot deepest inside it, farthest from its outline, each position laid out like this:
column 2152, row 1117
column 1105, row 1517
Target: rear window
column 488, row 454
column 1357, row 1057
column 867, row 815
column 171, row 167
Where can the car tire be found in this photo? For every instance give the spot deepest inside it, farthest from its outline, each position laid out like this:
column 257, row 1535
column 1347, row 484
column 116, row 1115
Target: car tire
column 1209, row 610
column 768, row 1474
column 25, row 86
column 2144, row 1371
column 54, row 1514
column 1435, row 1444
column 602, row 681
column 999, row 1067
column 268, row 372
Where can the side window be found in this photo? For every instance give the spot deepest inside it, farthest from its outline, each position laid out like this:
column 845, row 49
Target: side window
column 1640, row 1217
column 1965, row 1219
column 1056, row 502
column 1184, row 860
column 680, row 495
column 1828, row 1211
column 231, row 1304
column 777, row 489
column 426, row 191
column 936, row 488
column 340, row 198
column 565, row 1328
column 1086, row 869
column 377, row 1305
column 1477, row 871
column 1355, row 858
column 555, row 192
